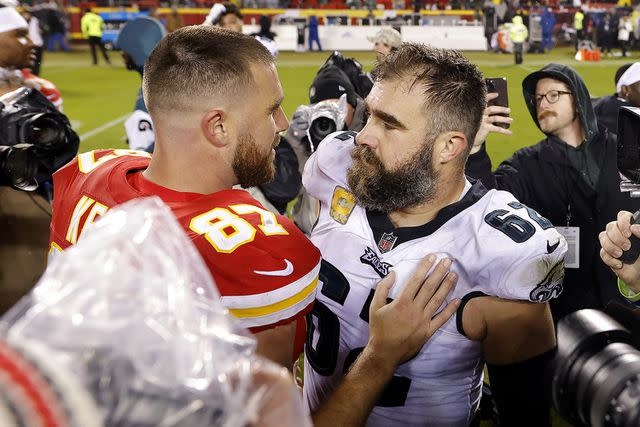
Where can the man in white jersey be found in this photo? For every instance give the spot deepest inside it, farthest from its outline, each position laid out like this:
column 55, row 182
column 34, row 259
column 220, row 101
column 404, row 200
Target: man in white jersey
column 396, row 192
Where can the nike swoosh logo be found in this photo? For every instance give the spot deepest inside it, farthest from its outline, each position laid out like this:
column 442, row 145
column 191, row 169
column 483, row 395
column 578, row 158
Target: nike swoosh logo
column 284, row 272
column 551, row 248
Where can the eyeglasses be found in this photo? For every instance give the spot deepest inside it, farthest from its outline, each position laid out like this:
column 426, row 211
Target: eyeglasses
column 552, row 96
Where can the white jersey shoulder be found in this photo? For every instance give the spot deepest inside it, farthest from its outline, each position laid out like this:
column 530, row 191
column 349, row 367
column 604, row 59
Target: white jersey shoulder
column 328, row 164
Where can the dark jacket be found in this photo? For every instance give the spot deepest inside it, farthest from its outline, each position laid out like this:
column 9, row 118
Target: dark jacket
column 606, row 110
column 559, row 182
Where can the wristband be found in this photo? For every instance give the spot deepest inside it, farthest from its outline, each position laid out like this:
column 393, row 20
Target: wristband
column 628, row 293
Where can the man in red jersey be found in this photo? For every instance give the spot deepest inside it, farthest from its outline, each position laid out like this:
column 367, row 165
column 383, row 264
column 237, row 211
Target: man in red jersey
column 206, row 142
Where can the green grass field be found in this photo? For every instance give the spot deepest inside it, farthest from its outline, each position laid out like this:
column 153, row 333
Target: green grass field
column 97, row 99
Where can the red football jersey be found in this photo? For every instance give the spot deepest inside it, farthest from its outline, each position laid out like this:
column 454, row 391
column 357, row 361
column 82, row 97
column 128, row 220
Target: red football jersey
column 265, row 269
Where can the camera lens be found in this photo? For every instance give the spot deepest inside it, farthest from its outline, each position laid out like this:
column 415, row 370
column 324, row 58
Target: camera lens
column 45, row 131
column 320, row 128
column 595, row 378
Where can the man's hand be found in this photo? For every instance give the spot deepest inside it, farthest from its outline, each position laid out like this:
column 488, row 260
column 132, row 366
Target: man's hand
column 300, row 122
column 614, row 240
column 398, row 330
column 490, row 117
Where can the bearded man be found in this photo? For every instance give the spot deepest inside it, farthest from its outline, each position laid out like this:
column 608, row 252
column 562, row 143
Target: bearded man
column 393, row 193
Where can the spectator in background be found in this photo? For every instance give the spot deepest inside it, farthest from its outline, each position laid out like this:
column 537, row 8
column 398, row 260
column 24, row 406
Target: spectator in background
column 625, row 27
column 17, row 55
column 518, row 34
column 385, row 41
column 266, row 36
column 92, row 25
column 605, row 33
column 231, row 18
column 174, row 20
column 547, row 22
column 570, row 177
column 578, row 26
column 57, row 29
column 313, row 33
column 606, row 108
column 35, row 34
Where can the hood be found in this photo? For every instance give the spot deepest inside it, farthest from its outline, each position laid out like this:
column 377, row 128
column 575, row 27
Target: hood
column 517, row 20
column 581, row 96
column 139, row 37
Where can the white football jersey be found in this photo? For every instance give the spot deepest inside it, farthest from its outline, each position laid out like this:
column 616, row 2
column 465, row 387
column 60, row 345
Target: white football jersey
column 499, row 247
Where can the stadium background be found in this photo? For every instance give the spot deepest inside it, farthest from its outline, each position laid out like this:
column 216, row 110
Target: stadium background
column 98, row 99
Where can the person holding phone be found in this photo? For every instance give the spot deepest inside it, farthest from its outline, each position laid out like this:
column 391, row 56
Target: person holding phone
column 570, row 177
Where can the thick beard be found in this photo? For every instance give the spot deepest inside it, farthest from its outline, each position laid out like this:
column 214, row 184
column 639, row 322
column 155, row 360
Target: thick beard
column 250, row 165
column 375, row 188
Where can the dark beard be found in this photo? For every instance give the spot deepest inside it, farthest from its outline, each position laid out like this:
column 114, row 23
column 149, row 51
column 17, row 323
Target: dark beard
column 376, row 188
column 250, row 165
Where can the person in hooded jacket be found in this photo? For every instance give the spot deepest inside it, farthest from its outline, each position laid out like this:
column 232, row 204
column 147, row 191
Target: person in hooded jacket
column 570, row 177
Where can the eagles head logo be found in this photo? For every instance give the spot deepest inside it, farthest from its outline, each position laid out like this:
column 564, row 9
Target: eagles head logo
column 551, row 286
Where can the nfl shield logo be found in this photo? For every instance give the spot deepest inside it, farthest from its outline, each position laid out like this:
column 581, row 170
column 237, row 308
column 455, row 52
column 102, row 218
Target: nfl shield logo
column 386, row 242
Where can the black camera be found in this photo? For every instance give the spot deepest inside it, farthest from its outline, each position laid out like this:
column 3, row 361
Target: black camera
column 596, row 375
column 35, row 139
column 361, row 82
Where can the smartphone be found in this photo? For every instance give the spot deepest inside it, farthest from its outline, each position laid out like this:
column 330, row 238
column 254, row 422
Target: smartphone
column 499, row 86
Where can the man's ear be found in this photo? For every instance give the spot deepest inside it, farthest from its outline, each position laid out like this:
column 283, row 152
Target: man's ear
column 215, row 127
column 450, row 146
column 624, row 91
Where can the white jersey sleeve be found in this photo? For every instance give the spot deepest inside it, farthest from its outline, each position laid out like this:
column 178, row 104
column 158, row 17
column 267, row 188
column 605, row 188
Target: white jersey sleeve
column 523, row 247
column 139, row 128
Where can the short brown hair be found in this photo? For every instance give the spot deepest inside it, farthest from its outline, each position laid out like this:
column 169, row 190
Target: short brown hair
column 198, row 62
column 453, row 87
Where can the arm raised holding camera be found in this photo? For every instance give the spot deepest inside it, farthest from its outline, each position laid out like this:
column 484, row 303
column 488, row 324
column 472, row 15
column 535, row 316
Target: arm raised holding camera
column 614, row 241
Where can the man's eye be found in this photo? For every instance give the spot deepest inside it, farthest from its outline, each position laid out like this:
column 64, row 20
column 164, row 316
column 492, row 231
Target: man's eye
column 387, row 126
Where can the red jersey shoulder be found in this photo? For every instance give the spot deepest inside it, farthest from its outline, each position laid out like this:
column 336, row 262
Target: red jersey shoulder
column 83, row 191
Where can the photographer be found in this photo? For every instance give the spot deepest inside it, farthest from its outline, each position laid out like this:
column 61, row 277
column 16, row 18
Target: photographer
column 35, row 140
column 335, row 104
column 570, row 177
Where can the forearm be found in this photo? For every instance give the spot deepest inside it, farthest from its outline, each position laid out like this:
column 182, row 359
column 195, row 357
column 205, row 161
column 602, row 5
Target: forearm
column 366, row 379
column 523, row 388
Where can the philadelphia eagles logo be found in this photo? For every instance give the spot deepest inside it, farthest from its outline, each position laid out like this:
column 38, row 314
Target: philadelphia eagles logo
column 371, row 258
